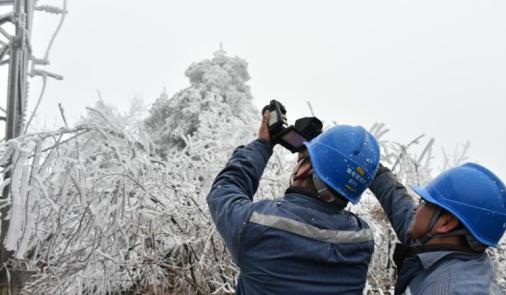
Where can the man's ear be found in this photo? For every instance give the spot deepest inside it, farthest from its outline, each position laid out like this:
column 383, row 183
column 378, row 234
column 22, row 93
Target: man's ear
column 447, row 223
column 303, row 171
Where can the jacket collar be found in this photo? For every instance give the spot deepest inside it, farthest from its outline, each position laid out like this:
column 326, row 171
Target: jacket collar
column 428, row 259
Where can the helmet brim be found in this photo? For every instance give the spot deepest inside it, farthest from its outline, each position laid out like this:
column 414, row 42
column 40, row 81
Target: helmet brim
column 424, row 194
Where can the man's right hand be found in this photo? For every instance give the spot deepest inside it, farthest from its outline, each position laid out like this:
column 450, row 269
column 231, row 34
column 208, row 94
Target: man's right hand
column 263, row 132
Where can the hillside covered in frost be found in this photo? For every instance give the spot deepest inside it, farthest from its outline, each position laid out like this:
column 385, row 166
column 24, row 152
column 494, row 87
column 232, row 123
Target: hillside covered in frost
column 116, row 204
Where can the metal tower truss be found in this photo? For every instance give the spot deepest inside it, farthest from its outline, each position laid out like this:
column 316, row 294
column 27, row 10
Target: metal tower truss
column 16, row 53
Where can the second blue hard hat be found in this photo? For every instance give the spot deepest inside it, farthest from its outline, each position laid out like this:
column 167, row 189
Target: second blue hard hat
column 473, row 194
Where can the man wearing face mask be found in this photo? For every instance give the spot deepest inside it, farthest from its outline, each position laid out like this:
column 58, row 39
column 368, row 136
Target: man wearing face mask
column 304, row 242
column 443, row 239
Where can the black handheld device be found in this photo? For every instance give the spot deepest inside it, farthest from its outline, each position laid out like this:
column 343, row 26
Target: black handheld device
column 290, row 137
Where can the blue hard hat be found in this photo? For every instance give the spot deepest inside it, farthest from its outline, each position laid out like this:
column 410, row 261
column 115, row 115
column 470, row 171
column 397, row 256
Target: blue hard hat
column 346, row 159
column 474, row 195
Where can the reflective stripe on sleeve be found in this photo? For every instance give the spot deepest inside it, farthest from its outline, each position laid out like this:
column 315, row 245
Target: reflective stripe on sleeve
column 312, row 232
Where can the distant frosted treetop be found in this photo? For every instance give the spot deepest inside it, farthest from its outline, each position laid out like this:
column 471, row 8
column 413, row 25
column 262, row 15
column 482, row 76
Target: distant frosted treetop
column 217, row 105
column 221, row 72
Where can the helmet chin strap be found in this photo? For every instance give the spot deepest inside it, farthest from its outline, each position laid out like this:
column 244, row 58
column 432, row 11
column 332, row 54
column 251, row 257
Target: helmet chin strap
column 427, row 236
column 472, row 242
column 320, row 187
column 325, row 194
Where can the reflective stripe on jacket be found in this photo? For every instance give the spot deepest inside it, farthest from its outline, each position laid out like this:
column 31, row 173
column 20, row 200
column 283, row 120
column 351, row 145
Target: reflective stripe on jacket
column 293, row 245
column 441, row 272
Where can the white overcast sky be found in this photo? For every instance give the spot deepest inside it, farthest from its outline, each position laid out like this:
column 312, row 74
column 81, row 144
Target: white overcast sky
column 422, row 67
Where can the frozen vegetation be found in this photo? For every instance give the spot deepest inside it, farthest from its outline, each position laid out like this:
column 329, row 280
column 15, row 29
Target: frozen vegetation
column 116, row 204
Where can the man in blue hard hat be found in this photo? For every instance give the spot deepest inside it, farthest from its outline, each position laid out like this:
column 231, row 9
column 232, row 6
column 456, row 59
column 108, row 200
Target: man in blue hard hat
column 443, row 239
column 304, row 242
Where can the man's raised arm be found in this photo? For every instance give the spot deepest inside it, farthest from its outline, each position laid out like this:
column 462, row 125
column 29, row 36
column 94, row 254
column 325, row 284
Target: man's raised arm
column 231, row 195
column 395, row 200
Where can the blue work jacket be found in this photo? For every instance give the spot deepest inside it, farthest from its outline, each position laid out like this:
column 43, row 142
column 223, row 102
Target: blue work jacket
column 434, row 272
column 293, row 245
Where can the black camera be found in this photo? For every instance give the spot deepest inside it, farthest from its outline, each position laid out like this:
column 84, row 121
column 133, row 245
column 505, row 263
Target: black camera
column 290, row 137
